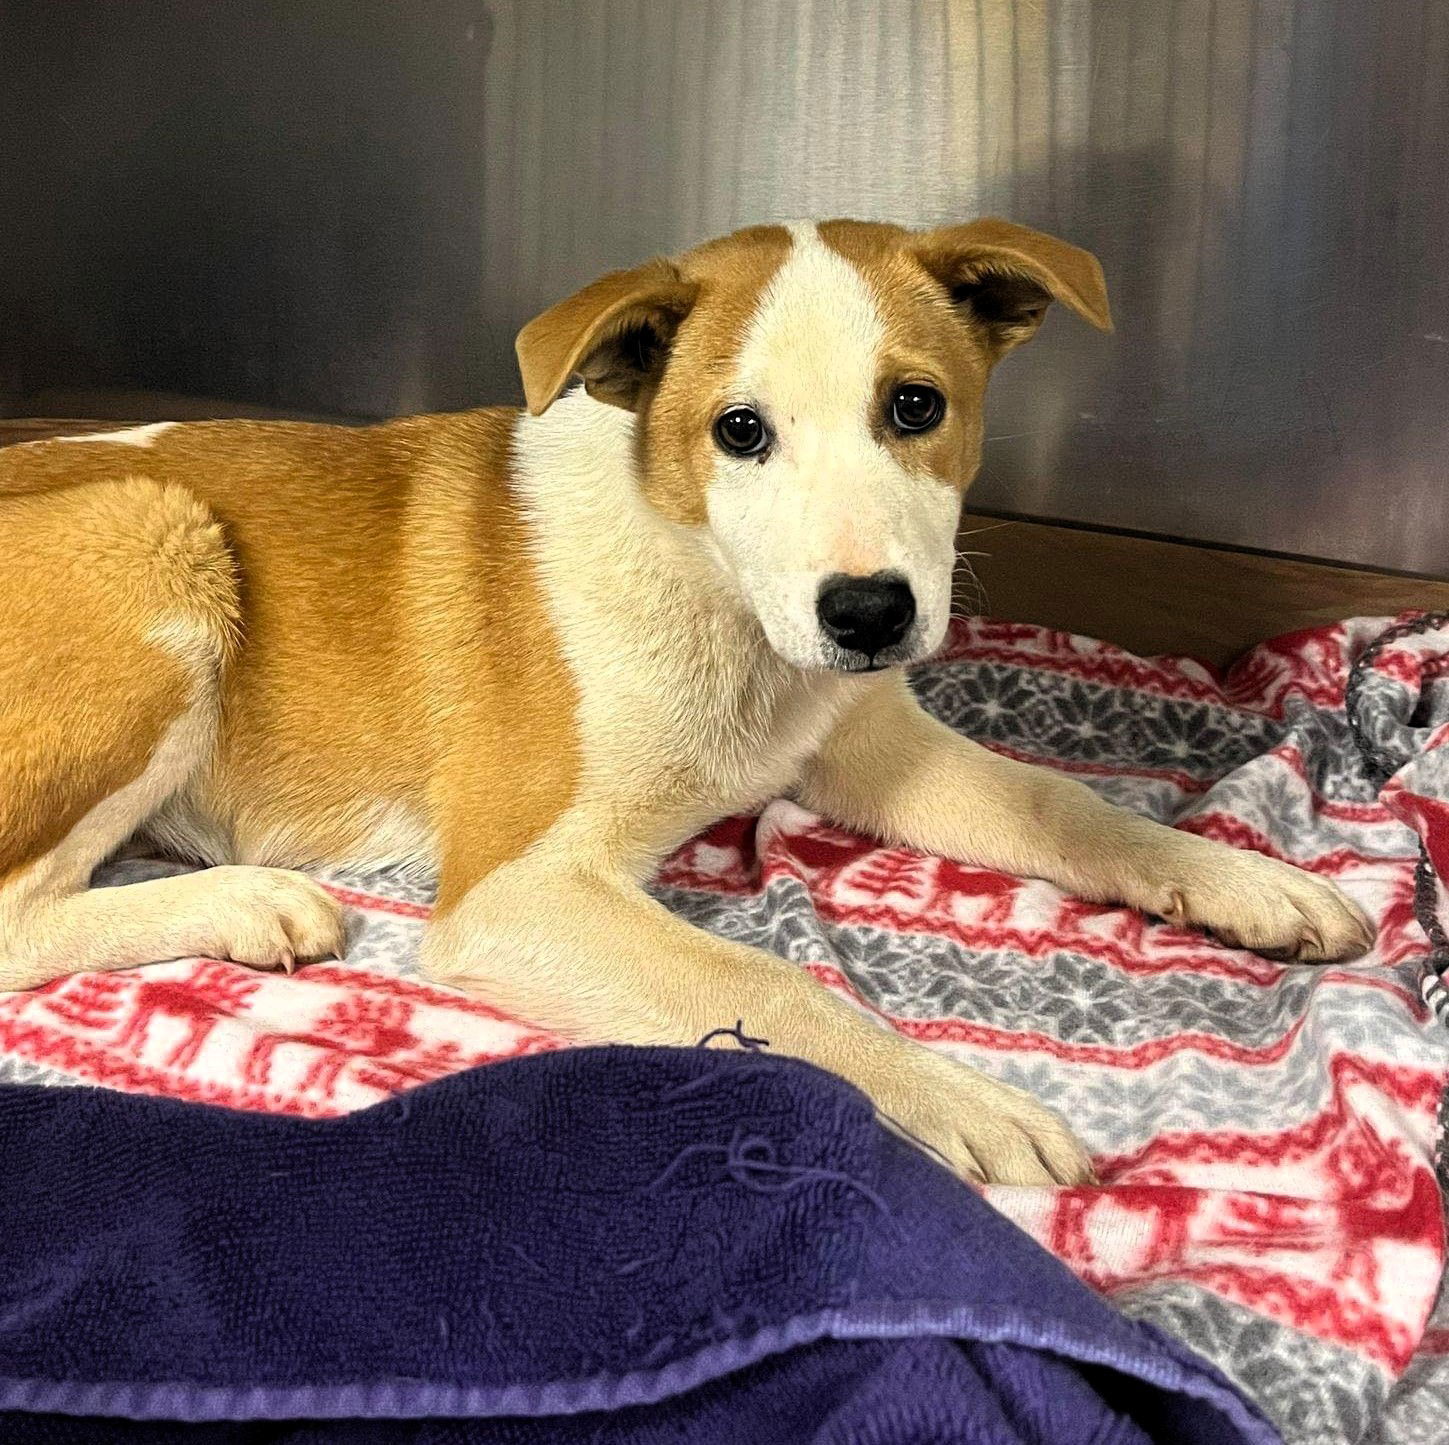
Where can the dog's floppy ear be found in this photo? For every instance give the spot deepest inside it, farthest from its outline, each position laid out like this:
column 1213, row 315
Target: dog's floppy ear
column 1006, row 276
column 614, row 333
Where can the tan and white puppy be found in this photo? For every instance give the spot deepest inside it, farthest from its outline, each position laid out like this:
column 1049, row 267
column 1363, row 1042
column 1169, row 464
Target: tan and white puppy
column 541, row 650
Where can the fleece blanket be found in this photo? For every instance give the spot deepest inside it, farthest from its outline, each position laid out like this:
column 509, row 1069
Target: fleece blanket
column 598, row 1245
column 1266, row 1134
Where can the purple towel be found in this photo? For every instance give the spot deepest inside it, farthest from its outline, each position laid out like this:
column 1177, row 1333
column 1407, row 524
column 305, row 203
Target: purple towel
column 598, row 1245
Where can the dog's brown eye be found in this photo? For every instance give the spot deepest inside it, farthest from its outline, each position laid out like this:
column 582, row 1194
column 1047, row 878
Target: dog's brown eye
column 916, row 407
column 741, row 432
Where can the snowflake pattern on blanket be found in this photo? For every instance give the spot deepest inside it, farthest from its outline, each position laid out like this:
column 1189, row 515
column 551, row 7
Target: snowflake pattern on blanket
column 1266, row 1135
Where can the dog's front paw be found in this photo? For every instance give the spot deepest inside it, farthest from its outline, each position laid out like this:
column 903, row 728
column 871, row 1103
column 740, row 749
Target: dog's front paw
column 984, row 1130
column 1275, row 909
column 268, row 918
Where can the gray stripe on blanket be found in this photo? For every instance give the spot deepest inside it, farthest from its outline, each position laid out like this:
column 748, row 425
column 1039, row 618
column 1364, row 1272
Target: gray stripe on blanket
column 1069, row 719
column 1066, row 720
column 22, row 1071
column 1314, row 1392
column 1070, row 995
column 1417, row 1412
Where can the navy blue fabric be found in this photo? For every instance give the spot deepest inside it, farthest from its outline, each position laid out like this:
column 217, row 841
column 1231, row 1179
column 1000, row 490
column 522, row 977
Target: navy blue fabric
column 595, row 1245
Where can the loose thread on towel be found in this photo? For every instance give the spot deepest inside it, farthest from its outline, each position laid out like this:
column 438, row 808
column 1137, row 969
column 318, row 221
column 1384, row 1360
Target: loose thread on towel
column 750, row 1161
column 529, row 1260
column 738, row 1034
column 633, row 1266
column 701, row 1082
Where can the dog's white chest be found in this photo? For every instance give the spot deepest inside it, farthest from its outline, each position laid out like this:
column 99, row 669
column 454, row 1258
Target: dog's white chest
column 746, row 739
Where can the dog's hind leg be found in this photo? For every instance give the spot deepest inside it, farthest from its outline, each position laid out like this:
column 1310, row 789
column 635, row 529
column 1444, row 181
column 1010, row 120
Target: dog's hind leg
column 118, row 611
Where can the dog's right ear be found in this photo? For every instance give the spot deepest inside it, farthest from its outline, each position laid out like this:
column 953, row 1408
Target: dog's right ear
column 614, row 333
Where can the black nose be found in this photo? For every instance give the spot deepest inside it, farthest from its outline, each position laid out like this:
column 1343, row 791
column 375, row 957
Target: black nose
column 865, row 614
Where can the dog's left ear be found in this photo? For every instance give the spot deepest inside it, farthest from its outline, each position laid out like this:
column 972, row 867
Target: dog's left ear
column 614, row 333
column 1006, row 276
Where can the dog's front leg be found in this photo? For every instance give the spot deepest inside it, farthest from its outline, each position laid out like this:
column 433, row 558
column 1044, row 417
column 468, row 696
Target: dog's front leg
column 891, row 770
column 597, row 959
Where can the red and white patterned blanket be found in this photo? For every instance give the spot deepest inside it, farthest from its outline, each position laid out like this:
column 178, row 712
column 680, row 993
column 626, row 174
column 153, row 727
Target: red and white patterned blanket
column 1266, row 1135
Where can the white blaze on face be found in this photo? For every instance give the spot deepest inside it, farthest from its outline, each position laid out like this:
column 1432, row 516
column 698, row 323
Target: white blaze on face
column 828, row 497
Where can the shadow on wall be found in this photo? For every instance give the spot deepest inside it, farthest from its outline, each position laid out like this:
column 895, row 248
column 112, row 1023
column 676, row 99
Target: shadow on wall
column 1274, row 381
column 261, row 202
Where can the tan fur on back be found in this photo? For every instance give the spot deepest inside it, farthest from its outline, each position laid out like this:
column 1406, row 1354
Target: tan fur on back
column 84, row 694
column 393, row 655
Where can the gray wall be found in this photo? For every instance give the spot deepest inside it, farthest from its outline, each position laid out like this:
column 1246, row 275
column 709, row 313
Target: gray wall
column 270, row 201
column 350, row 207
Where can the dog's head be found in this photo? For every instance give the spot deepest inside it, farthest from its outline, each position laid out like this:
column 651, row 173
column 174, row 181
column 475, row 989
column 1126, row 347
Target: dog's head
column 809, row 399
